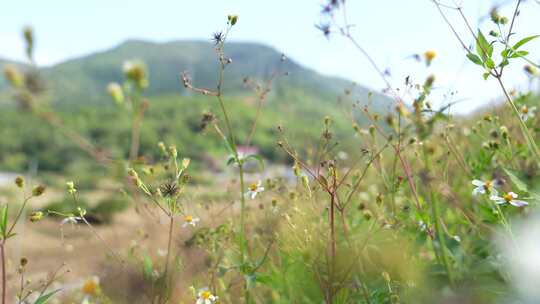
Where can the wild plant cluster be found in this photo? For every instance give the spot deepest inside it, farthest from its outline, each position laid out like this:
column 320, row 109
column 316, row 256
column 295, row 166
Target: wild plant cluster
column 416, row 214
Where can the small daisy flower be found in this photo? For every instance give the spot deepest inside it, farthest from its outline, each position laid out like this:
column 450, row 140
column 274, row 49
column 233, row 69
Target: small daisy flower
column 254, row 189
column 527, row 112
column 205, row 296
column 483, row 187
column 190, row 220
column 90, row 286
column 509, row 198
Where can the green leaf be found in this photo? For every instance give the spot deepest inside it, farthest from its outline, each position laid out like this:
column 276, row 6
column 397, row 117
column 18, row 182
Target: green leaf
column 229, row 145
column 519, row 54
column 516, row 181
column 148, row 267
column 523, row 41
column 231, row 160
column 3, row 219
column 46, row 297
column 483, row 47
column 486, row 75
column 475, row 59
column 258, row 158
column 490, row 64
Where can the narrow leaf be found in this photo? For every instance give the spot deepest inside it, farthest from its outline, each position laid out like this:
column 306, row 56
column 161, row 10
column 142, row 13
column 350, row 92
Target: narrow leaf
column 516, row 181
column 523, row 41
column 46, row 297
column 475, row 59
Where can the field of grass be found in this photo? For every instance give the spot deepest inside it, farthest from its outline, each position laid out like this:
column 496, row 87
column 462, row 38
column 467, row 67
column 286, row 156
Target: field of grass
column 266, row 197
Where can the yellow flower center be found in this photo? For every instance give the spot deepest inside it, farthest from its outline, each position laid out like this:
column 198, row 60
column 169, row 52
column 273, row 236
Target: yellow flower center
column 524, row 110
column 487, row 185
column 253, row 187
column 206, row 295
column 430, row 55
column 188, row 218
column 507, row 197
column 90, row 287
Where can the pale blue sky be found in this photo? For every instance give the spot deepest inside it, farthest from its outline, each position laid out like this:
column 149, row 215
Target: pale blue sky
column 390, row 30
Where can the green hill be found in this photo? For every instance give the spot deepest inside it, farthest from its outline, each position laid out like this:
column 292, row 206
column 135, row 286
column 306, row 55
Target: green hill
column 77, row 90
column 83, row 80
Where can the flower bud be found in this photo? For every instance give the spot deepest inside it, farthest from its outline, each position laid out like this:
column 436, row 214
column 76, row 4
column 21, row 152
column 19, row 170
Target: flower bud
column 28, row 34
column 36, row 216
column 116, row 92
column 232, row 19
column 38, row 190
column 504, row 132
column 13, row 76
column 367, row 215
column 19, row 181
column 173, row 152
column 185, row 163
column 71, row 187
column 136, row 72
column 529, row 69
column 494, row 14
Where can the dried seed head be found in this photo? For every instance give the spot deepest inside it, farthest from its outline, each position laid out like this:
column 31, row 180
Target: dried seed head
column 207, row 119
column 23, row 261
column 169, row 189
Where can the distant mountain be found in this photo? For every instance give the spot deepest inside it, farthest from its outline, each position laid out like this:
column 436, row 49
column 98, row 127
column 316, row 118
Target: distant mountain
column 83, row 80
